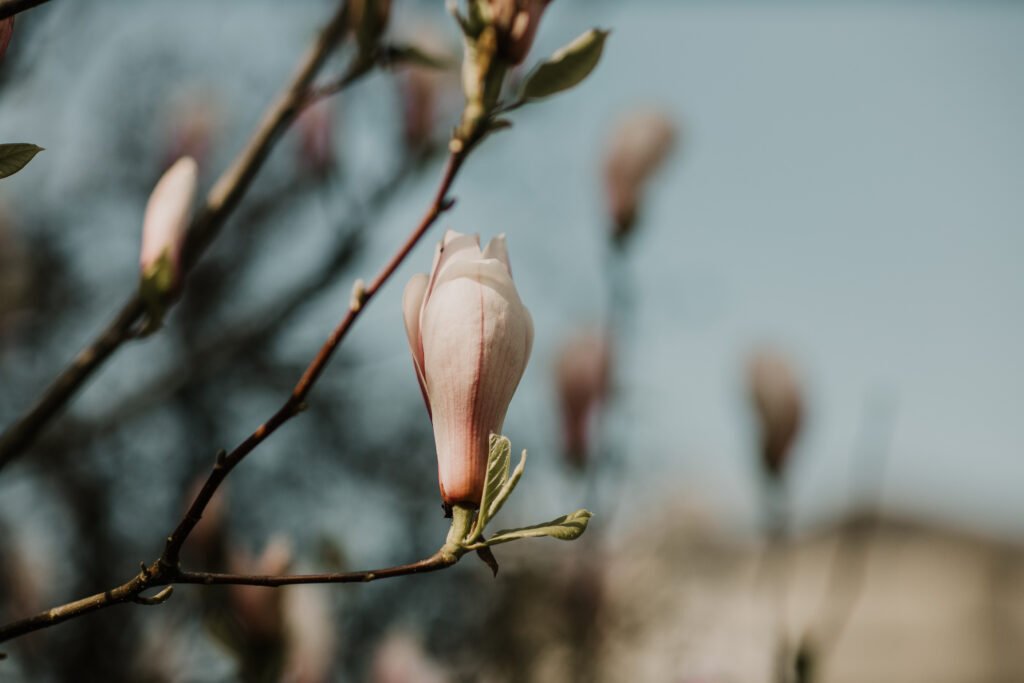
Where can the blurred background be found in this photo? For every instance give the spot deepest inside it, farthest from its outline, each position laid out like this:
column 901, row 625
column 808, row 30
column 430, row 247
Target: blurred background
column 787, row 383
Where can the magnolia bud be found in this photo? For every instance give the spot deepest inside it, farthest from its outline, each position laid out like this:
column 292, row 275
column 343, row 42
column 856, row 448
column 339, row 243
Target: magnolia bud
column 310, row 636
column 516, row 22
column 470, row 338
column 164, row 230
column 6, row 31
column 316, row 138
column 419, row 88
column 638, row 147
column 402, row 659
column 583, row 371
column 258, row 610
column 776, row 395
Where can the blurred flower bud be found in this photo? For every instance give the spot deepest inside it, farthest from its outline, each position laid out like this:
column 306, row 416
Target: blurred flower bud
column 6, row 31
column 638, row 147
column 164, row 230
column 516, row 22
column 583, row 370
column 470, row 337
column 419, row 106
column 311, row 636
column 776, row 395
column 207, row 544
column 401, row 659
column 367, row 20
column 258, row 609
column 316, row 138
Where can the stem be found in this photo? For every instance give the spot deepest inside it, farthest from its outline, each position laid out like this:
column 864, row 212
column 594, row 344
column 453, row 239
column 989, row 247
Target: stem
column 220, row 202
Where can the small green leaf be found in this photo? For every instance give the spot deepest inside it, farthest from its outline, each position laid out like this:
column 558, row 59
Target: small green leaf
column 499, row 458
column 410, row 55
column 506, row 489
column 15, row 156
column 567, row 67
column 566, row 528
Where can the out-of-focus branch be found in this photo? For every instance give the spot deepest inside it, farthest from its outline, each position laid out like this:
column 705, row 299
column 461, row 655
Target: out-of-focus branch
column 220, row 202
column 8, row 8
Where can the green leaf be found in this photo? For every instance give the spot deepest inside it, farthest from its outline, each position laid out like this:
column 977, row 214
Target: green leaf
column 15, row 156
column 507, row 487
column 410, row 55
column 567, row 67
column 499, row 458
column 566, row 528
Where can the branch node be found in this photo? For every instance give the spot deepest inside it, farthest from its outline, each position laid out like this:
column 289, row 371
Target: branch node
column 221, row 458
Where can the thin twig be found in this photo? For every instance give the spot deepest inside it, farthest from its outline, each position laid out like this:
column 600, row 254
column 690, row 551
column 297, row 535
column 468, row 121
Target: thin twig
column 8, row 8
column 220, row 202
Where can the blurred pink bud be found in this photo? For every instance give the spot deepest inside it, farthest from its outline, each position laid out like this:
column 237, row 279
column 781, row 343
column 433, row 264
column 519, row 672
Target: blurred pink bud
column 584, row 367
column 258, row 609
column 206, row 545
column 776, row 395
column 316, row 138
column 166, row 224
column 419, row 105
column 311, row 635
column 470, row 337
column 638, row 147
column 6, row 31
column 516, row 22
column 401, row 659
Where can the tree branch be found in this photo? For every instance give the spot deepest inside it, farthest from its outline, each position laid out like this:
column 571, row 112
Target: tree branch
column 220, row 202
column 8, row 8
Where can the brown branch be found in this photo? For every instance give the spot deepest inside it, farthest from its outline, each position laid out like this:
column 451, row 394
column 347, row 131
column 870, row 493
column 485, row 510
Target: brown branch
column 8, row 8
column 220, row 202
column 156, row 576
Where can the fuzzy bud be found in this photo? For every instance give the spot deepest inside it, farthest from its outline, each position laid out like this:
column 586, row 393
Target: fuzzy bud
column 583, row 372
column 638, row 148
column 516, row 22
column 776, row 395
column 164, row 229
column 470, row 337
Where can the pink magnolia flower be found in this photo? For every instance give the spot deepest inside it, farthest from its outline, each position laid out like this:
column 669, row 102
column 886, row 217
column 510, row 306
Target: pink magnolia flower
column 166, row 222
column 6, row 31
column 583, row 370
column 516, row 22
column 470, row 337
column 776, row 395
column 638, row 147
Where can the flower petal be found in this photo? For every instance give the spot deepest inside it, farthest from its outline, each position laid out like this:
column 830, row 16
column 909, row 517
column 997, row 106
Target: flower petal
column 412, row 303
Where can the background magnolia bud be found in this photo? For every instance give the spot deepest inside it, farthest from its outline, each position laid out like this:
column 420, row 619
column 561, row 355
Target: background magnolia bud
column 516, row 22
column 316, row 138
column 583, row 371
column 402, row 659
column 638, row 147
column 260, row 611
column 6, row 31
column 165, row 226
column 470, row 338
column 777, row 399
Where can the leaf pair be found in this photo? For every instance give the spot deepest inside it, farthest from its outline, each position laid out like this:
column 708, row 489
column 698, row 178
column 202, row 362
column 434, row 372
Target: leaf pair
column 498, row 486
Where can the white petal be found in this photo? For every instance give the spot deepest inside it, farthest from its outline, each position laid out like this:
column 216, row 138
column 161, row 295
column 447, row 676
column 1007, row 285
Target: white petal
column 497, row 248
column 168, row 211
